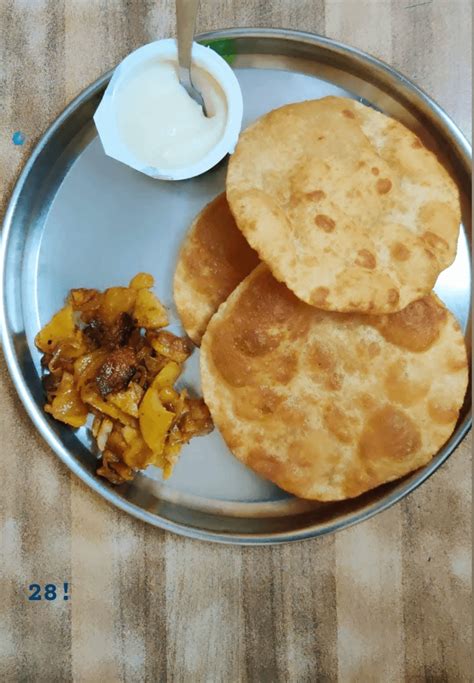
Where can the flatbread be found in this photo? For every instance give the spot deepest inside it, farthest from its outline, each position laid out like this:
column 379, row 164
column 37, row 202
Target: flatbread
column 214, row 258
column 345, row 205
column 328, row 405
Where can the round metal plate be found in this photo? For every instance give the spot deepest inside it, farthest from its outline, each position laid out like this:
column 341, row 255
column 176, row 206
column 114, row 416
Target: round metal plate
column 77, row 218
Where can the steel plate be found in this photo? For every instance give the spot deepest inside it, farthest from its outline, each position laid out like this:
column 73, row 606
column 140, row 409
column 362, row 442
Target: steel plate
column 78, row 218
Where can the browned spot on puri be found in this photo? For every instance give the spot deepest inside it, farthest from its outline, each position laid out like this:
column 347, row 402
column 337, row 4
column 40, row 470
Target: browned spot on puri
column 373, row 349
column 257, row 403
column 435, row 241
column 308, row 261
column 456, row 364
column 216, row 266
column 365, row 401
column 320, row 358
column 353, row 362
column 429, row 254
column 389, row 434
column 440, row 223
column 285, row 369
column 399, row 252
column 269, row 400
column 416, row 327
column 319, row 296
column 256, row 342
column 416, row 144
column 365, row 259
column 316, row 195
column 322, row 366
column 334, row 381
column 353, row 193
column 263, row 312
column 310, row 461
column 348, row 114
column 338, row 423
column 324, row 222
column 251, row 332
column 442, row 414
column 375, row 170
column 360, row 360
column 403, row 389
column 393, row 296
column 383, row 185
column 294, row 417
column 263, row 463
column 234, row 442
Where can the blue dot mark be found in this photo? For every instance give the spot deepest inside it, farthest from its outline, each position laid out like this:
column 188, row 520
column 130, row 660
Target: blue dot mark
column 18, row 138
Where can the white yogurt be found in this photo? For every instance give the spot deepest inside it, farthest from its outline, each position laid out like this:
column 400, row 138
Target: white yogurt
column 160, row 123
column 147, row 120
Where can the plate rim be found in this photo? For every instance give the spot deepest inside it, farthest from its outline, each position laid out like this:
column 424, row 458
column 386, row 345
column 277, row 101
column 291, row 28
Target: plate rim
column 53, row 440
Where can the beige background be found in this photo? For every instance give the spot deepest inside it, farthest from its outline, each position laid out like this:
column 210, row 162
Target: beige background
column 388, row 600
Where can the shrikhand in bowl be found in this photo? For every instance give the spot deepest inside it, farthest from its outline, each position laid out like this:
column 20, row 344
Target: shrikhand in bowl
column 148, row 121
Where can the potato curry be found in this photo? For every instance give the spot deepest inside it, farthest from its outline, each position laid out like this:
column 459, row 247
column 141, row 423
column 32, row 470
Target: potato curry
column 106, row 354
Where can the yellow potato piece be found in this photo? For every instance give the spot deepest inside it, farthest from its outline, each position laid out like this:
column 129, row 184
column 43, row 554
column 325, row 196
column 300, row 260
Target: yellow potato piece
column 171, row 455
column 92, row 398
column 85, row 301
column 67, row 405
column 116, row 300
column 155, row 420
column 167, row 376
column 167, row 471
column 116, row 443
column 61, row 326
column 128, row 400
column 130, row 434
column 105, row 430
column 149, row 312
column 87, row 366
column 142, row 281
column 181, row 402
column 169, row 345
column 68, row 350
column 138, row 456
column 169, row 395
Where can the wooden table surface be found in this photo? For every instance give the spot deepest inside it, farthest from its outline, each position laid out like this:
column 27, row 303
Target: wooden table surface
column 388, row 600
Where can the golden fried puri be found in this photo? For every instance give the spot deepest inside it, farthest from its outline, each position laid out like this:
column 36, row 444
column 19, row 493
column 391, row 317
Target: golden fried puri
column 328, row 405
column 345, row 205
column 214, row 258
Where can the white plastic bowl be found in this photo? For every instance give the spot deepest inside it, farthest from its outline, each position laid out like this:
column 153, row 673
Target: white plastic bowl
column 106, row 120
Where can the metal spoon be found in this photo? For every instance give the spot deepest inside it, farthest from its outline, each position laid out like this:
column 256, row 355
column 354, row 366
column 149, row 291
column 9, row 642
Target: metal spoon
column 186, row 11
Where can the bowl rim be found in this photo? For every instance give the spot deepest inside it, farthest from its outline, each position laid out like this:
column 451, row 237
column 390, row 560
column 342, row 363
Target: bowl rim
column 204, row 57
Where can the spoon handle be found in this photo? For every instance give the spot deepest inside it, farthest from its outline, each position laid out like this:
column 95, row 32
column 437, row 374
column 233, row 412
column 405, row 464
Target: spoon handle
column 186, row 11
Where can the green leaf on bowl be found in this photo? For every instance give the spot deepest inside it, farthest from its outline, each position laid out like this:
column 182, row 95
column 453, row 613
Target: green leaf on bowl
column 224, row 48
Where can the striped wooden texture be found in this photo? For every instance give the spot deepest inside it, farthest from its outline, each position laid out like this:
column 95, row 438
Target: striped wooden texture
column 388, row 600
